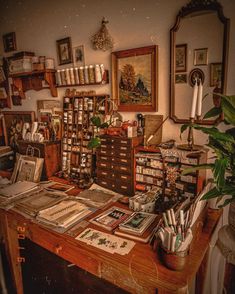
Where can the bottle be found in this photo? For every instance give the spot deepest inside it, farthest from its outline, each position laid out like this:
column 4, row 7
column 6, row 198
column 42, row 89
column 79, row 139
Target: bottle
column 98, row 77
column 86, row 75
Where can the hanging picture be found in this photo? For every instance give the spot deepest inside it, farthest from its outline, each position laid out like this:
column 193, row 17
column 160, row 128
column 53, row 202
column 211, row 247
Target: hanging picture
column 14, row 121
column 64, row 51
column 215, row 73
column 134, row 79
column 181, row 58
column 201, row 56
column 9, row 42
column 78, row 56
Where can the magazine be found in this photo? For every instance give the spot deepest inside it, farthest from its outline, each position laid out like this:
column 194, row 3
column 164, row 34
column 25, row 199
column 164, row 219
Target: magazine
column 111, row 218
column 137, row 223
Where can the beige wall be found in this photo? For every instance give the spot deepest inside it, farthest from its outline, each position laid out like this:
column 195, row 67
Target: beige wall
column 132, row 24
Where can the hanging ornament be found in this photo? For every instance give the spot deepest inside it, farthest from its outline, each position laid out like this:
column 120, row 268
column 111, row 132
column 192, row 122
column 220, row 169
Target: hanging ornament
column 102, row 39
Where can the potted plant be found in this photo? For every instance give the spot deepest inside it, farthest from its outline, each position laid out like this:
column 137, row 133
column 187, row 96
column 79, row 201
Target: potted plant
column 223, row 145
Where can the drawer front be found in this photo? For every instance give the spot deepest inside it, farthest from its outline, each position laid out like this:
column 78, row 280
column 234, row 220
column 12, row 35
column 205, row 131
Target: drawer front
column 106, row 183
column 113, row 153
column 125, row 169
column 104, row 164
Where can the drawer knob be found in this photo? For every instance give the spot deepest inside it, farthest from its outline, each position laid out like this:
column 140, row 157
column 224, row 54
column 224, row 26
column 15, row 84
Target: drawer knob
column 58, row 248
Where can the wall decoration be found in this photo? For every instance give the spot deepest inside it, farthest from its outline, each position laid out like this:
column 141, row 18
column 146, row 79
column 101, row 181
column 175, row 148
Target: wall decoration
column 195, row 75
column 14, row 121
column 215, row 73
column 9, row 42
column 78, row 56
column 181, row 58
column 181, row 78
column 201, row 56
column 134, row 79
column 102, row 39
column 64, row 51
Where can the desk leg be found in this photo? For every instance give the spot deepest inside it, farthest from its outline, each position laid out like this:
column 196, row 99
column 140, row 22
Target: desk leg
column 12, row 247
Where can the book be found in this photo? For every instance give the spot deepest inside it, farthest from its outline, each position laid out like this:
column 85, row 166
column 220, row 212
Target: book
column 111, row 218
column 137, row 223
column 144, row 237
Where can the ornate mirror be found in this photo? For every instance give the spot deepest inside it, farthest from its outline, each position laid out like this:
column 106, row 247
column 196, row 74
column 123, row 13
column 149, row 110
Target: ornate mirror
column 199, row 52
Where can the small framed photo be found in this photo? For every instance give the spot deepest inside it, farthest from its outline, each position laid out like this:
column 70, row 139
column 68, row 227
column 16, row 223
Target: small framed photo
column 181, row 78
column 9, row 42
column 215, row 73
column 78, row 56
column 181, row 58
column 64, row 51
column 201, row 56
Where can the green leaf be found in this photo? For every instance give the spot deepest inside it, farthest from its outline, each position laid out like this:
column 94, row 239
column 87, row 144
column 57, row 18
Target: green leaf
column 104, row 125
column 198, row 167
column 216, row 111
column 229, row 111
column 215, row 133
column 96, row 121
column 94, row 143
column 213, row 193
column 219, row 171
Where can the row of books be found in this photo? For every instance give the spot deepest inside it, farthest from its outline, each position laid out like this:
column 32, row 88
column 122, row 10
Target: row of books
column 138, row 226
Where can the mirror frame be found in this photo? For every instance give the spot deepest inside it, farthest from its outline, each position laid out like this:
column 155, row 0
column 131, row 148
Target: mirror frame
column 197, row 7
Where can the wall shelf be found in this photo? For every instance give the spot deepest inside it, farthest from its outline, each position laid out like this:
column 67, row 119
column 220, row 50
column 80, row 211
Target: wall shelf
column 25, row 81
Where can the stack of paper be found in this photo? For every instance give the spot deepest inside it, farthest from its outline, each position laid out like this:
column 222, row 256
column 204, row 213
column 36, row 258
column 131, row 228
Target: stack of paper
column 63, row 214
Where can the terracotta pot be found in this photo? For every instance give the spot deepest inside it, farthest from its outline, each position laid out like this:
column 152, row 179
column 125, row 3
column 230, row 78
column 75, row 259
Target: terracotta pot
column 174, row 260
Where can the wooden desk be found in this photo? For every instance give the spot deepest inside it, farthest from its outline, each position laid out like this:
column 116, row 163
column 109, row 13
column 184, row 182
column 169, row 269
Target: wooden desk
column 140, row 271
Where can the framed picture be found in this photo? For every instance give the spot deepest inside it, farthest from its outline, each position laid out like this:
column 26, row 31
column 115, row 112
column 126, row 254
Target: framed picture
column 9, row 42
column 64, row 51
column 78, row 56
column 201, row 56
column 181, row 58
column 181, row 78
column 14, row 121
column 134, row 79
column 215, row 73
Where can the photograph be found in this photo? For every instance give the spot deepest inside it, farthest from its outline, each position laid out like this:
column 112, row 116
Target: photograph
column 181, row 78
column 181, row 58
column 14, row 121
column 215, row 73
column 78, row 56
column 9, row 42
column 134, row 79
column 64, row 51
column 201, row 56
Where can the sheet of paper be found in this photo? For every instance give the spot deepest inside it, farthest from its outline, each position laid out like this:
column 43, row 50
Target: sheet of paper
column 106, row 242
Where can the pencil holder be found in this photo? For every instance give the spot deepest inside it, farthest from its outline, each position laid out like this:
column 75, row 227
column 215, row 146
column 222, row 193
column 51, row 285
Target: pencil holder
column 174, row 260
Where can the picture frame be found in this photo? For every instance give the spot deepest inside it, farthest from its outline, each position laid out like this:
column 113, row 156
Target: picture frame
column 215, row 73
column 181, row 78
column 9, row 42
column 181, row 58
column 64, row 51
column 201, row 56
column 13, row 123
column 78, row 56
column 134, row 79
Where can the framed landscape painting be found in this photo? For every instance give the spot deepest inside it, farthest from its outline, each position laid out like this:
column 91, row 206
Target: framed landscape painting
column 134, row 79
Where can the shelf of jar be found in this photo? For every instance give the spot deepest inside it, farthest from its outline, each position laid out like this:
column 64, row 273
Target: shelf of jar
column 104, row 81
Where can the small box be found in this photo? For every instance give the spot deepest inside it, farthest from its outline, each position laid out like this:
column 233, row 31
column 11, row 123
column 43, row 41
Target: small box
column 20, row 65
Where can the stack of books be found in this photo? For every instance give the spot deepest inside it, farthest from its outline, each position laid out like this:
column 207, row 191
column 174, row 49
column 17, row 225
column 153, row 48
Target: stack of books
column 139, row 226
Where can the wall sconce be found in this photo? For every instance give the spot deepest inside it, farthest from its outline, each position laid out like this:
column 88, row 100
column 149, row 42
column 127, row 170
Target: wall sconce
column 102, row 39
